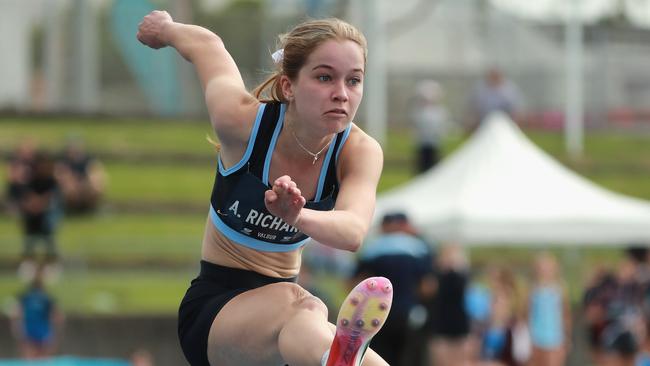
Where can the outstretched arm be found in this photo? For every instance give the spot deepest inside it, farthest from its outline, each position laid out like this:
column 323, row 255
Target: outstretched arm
column 229, row 104
column 346, row 226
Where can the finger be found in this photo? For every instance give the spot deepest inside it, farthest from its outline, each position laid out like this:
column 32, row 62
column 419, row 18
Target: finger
column 270, row 196
column 301, row 202
column 282, row 179
column 278, row 190
column 292, row 188
column 283, row 186
column 295, row 191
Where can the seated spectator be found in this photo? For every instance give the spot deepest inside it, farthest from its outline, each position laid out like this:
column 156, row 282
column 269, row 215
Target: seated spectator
column 81, row 177
column 19, row 169
column 39, row 211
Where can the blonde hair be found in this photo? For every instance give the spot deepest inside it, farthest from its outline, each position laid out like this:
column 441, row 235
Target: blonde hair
column 298, row 44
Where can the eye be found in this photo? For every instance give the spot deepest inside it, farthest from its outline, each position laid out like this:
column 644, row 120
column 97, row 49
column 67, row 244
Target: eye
column 324, row 78
column 354, row 81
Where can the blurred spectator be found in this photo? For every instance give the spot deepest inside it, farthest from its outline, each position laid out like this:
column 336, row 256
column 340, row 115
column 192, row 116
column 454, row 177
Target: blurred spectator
column 597, row 296
column 449, row 321
column 36, row 321
column 624, row 330
column 549, row 318
column 494, row 93
column 141, row 357
column 399, row 255
column 19, row 170
column 431, row 123
column 614, row 312
column 638, row 253
column 504, row 328
column 477, row 304
column 81, row 177
column 39, row 211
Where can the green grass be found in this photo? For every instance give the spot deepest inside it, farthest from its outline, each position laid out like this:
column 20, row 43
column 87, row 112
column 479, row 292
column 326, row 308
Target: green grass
column 120, row 239
column 160, row 183
column 108, row 292
column 132, row 136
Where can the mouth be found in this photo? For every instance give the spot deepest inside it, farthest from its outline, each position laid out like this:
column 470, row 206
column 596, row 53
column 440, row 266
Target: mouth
column 337, row 112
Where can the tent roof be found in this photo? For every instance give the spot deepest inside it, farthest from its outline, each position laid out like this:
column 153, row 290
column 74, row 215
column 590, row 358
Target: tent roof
column 501, row 188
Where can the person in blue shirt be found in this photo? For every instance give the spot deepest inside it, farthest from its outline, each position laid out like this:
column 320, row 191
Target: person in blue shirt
column 549, row 314
column 292, row 166
column 37, row 321
column 407, row 261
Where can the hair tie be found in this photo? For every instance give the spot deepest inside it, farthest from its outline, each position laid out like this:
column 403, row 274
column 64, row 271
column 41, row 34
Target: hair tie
column 277, row 56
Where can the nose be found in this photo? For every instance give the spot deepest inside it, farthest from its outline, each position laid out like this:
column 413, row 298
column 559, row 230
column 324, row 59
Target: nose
column 340, row 92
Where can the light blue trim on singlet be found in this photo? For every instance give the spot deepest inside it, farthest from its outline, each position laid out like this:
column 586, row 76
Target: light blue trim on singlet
column 343, row 139
column 326, row 161
column 249, row 148
column 274, row 140
column 323, row 171
column 249, row 242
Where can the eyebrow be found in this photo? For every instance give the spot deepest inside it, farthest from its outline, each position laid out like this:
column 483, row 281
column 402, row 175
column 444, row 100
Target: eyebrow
column 325, row 66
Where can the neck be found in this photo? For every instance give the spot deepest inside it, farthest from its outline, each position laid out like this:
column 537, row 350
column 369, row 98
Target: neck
column 313, row 149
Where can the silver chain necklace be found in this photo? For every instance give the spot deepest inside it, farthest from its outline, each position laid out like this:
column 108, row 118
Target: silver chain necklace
column 313, row 155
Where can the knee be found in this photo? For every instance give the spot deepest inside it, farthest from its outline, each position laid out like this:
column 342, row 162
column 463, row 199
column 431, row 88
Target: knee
column 312, row 303
column 301, row 299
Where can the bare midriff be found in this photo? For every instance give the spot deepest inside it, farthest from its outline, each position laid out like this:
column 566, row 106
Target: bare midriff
column 220, row 250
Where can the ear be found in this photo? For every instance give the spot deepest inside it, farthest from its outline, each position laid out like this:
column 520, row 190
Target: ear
column 287, row 87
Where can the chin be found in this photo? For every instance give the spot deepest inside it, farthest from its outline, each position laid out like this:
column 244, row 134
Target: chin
column 337, row 125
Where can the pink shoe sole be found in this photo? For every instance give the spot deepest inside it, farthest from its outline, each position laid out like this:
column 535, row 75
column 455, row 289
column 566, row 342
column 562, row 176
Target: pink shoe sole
column 361, row 316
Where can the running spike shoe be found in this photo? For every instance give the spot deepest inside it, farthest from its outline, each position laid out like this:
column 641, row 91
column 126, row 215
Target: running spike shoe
column 361, row 316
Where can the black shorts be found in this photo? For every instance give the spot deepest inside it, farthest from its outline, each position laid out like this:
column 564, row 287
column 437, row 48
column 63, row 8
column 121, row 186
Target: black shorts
column 208, row 293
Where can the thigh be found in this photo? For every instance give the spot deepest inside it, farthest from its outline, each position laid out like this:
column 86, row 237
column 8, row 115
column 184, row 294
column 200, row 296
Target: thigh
column 245, row 331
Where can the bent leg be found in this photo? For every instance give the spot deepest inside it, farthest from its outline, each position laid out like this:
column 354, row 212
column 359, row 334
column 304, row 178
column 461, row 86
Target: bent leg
column 274, row 325
column 254, row 327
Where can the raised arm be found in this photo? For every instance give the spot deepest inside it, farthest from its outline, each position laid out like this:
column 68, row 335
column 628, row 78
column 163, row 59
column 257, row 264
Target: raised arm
column 346, row 226
column 231, row 107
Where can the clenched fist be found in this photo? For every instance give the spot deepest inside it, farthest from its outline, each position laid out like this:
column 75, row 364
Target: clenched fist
column 150, row 30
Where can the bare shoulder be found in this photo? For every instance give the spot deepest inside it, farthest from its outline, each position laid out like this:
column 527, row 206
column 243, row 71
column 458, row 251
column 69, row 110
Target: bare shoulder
column 361, row 152
column 360, row 142
column 233, row 117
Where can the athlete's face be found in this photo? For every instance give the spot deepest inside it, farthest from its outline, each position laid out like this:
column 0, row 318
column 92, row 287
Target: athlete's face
column 329, row 86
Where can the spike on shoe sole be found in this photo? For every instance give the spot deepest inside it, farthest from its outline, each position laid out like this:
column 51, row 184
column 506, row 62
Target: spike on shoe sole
column 361, row 316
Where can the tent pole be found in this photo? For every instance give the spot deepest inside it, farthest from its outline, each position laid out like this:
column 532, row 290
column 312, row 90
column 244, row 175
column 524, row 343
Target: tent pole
column 573, row 125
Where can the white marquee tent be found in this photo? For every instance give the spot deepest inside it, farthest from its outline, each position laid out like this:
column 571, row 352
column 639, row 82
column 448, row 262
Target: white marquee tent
column 500, row 188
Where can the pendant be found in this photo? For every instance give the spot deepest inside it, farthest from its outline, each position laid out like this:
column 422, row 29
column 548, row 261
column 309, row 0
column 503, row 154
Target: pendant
column 314, row 161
